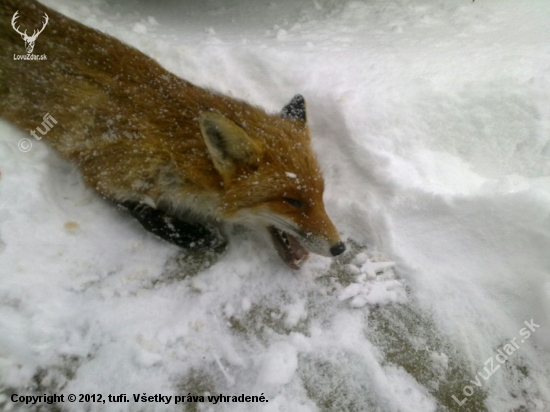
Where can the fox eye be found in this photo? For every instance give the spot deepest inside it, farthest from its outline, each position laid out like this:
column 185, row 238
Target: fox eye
column 294, row 202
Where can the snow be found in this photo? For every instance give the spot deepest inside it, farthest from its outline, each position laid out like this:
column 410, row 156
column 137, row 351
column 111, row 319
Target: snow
column 431, row 121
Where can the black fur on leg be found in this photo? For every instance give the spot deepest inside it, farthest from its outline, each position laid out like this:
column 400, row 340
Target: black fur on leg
column 179, row 232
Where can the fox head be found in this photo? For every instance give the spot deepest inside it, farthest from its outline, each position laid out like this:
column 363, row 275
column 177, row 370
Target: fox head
column 271, row 178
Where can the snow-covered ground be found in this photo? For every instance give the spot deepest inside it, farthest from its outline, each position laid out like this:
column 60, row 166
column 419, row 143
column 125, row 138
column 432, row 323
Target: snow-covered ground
column 431, row 120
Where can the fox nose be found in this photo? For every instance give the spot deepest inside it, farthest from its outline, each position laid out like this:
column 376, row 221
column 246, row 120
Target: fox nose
column 338, row 249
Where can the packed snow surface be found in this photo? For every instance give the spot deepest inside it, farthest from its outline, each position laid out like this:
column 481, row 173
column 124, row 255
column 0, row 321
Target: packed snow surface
column 431, row 120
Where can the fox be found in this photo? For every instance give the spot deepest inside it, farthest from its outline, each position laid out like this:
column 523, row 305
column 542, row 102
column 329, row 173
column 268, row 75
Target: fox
column 184, row 161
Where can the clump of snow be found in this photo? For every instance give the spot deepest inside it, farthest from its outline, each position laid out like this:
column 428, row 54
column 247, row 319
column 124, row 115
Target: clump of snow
column 375, row 283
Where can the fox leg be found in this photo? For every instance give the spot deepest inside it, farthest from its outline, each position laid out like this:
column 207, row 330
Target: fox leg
column 179, row 232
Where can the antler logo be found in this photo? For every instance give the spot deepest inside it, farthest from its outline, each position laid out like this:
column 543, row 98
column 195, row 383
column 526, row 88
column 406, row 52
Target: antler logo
column 29, row 40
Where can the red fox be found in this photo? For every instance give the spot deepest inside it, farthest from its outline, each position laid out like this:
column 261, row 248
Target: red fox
column 179, row 158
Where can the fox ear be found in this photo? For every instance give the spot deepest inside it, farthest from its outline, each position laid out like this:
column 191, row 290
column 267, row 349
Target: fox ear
column 228, row 143
column 296, row 109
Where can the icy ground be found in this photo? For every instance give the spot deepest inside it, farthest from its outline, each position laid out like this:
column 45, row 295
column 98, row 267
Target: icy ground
column 431, row 120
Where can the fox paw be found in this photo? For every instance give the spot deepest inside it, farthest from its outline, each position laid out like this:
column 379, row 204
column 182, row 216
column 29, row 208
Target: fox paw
column 188, row 235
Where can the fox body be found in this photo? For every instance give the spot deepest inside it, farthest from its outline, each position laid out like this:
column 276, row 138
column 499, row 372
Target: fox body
column 161, row 146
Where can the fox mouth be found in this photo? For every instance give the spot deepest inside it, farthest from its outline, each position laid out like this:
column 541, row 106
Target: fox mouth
column 288, row 247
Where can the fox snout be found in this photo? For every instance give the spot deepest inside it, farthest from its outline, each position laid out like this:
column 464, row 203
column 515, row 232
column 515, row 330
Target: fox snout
column 295, row 236
column 338, row 248
column 294, row 250
column 323, row 246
